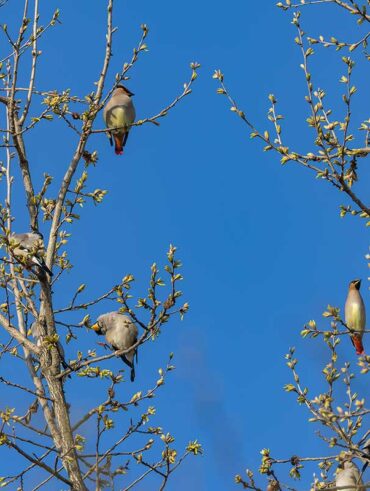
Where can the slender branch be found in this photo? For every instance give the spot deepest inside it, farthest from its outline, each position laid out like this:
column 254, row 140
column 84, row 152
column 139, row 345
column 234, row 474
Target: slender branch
column 34, row 63
column 12, row 331
column 84, row 306
column 86, row 130
column 18, row 386
column 145, row 336
column 39, row 463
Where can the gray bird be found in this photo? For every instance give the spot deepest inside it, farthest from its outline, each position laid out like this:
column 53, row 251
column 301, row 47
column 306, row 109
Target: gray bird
column 355, row 315
column 121, row 333
column 348, row 474
column 119, row 114
column 29, row 248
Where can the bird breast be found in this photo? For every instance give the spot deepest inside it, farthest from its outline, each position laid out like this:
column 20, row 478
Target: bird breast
column 355, row 315
column 348, row 477
column 120, row 116
column 121, row 337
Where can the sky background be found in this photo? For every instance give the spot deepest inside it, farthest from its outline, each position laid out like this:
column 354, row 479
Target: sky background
column 263, row 246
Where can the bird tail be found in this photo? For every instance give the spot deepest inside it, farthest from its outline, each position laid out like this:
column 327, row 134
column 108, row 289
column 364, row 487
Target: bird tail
column 41, row 263
column 357, row 343
column 131, row 365
column 132, row 375
column 118, row 144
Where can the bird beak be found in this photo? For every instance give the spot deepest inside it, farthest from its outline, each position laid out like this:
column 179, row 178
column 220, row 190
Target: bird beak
column 357, row 283
column 95, row 327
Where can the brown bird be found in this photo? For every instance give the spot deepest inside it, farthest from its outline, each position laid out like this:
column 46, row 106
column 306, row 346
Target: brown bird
column 355, row 315
column 119, row 114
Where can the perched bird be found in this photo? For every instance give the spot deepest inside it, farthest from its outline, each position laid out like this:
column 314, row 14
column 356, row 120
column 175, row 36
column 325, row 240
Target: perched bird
column 119, row 114
column 121, row 333
column 355, row 315
column 29, row 248
column 348, row 474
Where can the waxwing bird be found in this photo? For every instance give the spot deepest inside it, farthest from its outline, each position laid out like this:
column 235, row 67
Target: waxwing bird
column 348, row 474
column 29, row 248
column 121, row 333
column 119, row 114
column 355, row 315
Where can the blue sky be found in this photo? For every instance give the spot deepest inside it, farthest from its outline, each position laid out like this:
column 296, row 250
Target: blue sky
column 263, row 246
